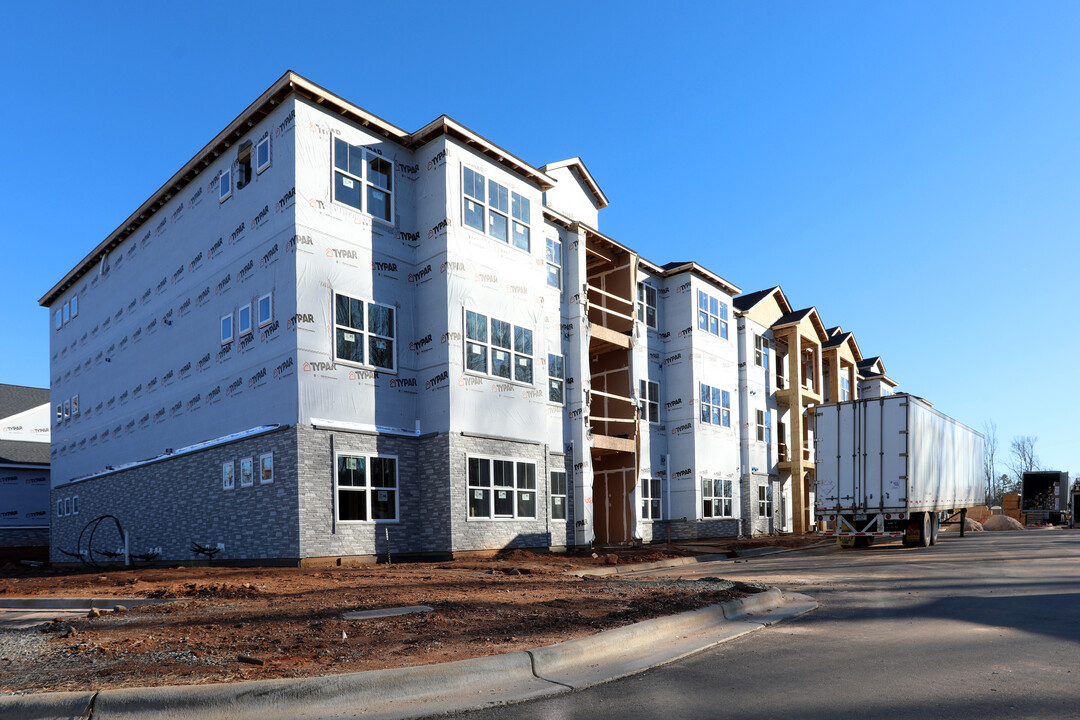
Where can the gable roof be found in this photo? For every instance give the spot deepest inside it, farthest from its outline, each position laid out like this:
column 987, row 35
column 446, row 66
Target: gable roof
column 794, row 318
column 287, row 85
column 15, row 399
column 18, row 452
column 674, row 268
column 838, row 337
column 579, row 165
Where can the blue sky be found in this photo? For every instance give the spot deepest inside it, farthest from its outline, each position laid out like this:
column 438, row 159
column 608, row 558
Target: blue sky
column 911, row 169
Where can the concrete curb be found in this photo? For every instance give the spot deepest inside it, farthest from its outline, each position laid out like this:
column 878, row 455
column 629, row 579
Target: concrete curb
column 431, row 689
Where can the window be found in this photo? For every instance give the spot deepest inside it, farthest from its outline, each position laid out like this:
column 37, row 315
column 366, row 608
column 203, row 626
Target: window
column 845, row 389
column 244, row 317
column 349, row 332
column 266, row 310
column 712, row 315
column 508, row 346
column 762, row 426
column 59, row 412
column 715, row 406
column 501, row 488
column 226, row 329
column 75, row 505
column 764, row 501
column 556, row 379
column 74, row 405
column 59, row 319
column 363, row 180
column 262, row 155
column 554, row 263
column 558, row 495
column 247, row 473
column 366, row 488
column 67, row 409
column 650, row 401
column 488, row 207
column 67, row 506
column 716, row 497
column 67, row 312
column 225, row 185
column 74, row 306
column 266, row 468
column 646, row 308
column 761, row 352
column 650, row 499
column 243, row 161
column 227, row 479
column 59, row 508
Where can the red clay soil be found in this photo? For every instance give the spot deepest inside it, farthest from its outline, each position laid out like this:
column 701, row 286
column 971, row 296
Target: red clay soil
column 287, row 622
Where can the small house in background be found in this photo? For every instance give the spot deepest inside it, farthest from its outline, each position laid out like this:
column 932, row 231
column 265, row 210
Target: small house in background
column 24, row 472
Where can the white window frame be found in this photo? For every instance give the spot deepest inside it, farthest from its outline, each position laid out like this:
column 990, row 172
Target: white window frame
column 59, row 318
column 762, row 427
column 265, row 479
column 74, row 504
column 226, row 339
column 556, row 379
column 366, row 183
column 708, row 319
column 59, row 412
column 67, row 312
column 644, row 306
column 60, row 507
column 761, row 352
column 652, row 493
column 649, row 401
column 517, row 490
column 764, row 500
column 67, row 507
column 367, row 489
column 717, row 493
column 74, row 405
column 365, row 333
column 228, row 477
column 74, row 306
column 247, row 472
column 554, row 265
column 555, row 496
column 518, row 358
column 714, row 413
column 845, row 388
column 225, row 188
column 67, row 409
column 512, row 214
column 259, row 167
column 264, row 321
column 241, row 330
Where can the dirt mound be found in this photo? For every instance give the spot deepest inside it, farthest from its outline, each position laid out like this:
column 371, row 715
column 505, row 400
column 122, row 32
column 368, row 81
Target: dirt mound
column 969, row 526
column 1002, row 522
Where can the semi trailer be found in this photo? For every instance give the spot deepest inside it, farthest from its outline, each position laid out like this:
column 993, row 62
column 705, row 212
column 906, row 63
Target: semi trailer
column 894, row 467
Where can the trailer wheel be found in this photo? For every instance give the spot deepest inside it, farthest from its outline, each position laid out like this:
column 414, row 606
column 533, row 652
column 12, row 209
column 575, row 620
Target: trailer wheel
column 935, row 523
column 924, row 534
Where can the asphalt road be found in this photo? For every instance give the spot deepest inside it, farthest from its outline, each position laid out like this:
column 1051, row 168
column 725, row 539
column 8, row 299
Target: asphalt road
column 987, row 626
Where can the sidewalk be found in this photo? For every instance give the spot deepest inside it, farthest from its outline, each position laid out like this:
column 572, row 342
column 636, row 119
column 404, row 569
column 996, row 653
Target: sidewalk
column 426, row 690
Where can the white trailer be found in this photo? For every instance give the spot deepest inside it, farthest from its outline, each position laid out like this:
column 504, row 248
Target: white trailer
column 893, row 467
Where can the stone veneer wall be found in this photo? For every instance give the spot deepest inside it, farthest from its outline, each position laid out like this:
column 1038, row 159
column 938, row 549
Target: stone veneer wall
column 173, row 502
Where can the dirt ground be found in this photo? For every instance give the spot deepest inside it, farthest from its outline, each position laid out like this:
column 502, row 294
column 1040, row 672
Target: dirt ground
column 223, row 624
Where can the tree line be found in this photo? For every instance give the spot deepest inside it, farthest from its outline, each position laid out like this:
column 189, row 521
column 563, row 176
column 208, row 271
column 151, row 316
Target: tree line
column 1021, row 458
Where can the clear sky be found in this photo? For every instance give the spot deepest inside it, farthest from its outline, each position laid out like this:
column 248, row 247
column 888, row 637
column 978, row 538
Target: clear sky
column 911, row 169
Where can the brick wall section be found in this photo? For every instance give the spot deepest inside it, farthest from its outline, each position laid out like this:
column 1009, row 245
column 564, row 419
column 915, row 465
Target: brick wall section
column 487, row 534
column 32, row 537
column 169, row 504
column 657, row 531
column 423, row 512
